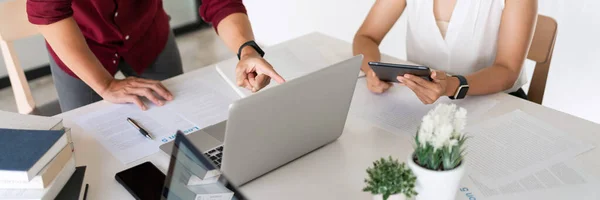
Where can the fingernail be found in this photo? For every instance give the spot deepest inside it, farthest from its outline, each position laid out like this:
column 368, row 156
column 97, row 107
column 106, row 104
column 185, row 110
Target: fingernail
column 144, row 108
column 407, row 75
column 161, row 102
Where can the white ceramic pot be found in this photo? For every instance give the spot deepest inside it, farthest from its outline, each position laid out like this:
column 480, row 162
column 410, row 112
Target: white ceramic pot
column 392, row 197
column 436, row 185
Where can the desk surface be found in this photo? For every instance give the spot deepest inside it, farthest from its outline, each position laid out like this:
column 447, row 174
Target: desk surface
column 335, row 171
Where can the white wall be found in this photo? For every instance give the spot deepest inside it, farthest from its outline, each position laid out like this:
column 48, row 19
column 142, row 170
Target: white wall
column 575, row 71
column 32, row 51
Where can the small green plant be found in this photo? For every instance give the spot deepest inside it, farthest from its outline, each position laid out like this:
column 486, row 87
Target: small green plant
column 389, row 177
column 440, row 139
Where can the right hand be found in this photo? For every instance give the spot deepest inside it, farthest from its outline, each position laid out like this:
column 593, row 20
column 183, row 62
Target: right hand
column 376, row 85
column 130, row 90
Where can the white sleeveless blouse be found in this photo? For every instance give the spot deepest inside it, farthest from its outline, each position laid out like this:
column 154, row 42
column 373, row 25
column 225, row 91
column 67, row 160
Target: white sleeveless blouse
column 470, row 40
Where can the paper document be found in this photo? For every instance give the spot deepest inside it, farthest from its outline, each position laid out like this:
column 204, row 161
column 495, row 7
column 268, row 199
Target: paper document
column 111, row 129
column 516, row 145
column 560, row 181
column 195, row 107
column 400, row 111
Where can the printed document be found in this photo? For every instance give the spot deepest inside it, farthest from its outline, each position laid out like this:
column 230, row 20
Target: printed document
column 516, row 145
column 196, row 106
column 564, row 180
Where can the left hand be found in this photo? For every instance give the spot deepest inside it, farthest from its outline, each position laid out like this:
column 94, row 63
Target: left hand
column 254, row 73
column 427, row 91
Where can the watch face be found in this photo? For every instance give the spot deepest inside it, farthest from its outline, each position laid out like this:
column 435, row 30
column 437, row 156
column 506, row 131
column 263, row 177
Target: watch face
column 462, row 91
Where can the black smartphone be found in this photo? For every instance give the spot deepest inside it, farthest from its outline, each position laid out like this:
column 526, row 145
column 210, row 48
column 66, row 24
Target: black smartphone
column 388, row 72
column 143, row 182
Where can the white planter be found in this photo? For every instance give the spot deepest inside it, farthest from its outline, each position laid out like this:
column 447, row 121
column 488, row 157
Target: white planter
column 392, row 197
column 436, row 185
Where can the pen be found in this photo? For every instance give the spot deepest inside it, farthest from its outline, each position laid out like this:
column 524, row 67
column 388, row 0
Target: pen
column 139, row 128
column 85, row 192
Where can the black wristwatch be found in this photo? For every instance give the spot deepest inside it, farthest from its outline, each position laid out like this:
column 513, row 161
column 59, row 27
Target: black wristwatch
column 253, row 45
column 463, row 88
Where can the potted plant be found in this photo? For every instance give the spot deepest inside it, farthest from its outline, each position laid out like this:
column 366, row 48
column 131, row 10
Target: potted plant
column 438, row 159
column 390, row 180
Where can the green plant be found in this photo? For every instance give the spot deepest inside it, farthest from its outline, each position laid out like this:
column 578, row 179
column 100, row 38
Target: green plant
column 389, row 177
column 443, row 159
column 440, row 140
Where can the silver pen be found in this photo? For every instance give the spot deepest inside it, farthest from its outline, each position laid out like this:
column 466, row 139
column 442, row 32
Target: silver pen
column 139, row 128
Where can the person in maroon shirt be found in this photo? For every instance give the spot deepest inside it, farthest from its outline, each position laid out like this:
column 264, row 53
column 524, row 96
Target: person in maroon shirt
column 90, row 40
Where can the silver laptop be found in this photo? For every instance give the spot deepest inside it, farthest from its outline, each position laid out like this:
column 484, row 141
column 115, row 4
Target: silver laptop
column 275, row 126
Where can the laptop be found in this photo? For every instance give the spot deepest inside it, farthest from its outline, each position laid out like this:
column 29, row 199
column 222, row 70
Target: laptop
column 276, row 126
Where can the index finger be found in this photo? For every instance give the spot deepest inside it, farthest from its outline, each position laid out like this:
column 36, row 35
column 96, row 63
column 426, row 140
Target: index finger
column 419, row 80
column 268, row 70
column 275, row 76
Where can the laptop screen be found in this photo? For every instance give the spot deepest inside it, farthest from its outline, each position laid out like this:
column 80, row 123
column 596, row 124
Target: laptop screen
column 193, row 176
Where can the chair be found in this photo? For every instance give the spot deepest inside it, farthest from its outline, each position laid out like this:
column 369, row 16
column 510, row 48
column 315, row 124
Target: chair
column 540, row 51
column 14, row 26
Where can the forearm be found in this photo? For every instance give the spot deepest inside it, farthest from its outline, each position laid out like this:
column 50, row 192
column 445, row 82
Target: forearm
column 368, row 48
column 493, row 79
column 235, row 30
column 68, row 43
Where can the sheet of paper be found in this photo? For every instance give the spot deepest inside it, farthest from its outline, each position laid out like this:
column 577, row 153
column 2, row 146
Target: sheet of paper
column 555, row 182
column 400, row 111
column 110, row 128
column 196, row 106
column 516, row 145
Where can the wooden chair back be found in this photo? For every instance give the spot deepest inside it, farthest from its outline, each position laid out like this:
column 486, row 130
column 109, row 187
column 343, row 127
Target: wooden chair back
column 540, row 51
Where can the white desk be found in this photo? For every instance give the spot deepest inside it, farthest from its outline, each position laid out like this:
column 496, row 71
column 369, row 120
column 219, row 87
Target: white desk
column 335, row 171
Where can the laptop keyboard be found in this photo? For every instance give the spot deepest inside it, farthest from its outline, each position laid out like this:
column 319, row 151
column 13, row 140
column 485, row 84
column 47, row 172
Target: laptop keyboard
column 216, row 155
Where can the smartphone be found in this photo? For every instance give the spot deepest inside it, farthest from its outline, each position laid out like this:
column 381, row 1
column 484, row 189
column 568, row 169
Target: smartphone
column 389, row 72
column 143, row 182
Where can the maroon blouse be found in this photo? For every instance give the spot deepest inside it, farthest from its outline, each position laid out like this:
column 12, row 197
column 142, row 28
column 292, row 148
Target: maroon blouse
column 135, row 30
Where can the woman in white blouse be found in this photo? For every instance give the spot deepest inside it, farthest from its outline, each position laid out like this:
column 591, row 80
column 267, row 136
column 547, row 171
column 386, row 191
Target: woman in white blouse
column 482, row 43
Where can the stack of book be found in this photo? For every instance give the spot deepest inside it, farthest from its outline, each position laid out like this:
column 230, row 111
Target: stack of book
column 36, row 156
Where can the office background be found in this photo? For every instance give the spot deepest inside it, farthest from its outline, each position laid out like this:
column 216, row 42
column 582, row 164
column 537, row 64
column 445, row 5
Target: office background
column 574, row 73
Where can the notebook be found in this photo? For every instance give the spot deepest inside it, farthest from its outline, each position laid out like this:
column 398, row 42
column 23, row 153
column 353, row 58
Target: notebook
column 46, row 176
column 26, row 152
column 43, row 194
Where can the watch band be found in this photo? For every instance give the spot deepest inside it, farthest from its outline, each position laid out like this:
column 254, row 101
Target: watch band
column 253, row 45
column 463, row 88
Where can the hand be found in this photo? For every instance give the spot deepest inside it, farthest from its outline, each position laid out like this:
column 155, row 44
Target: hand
column 427, row 91
column 376, row 85
column 254, row 73
column 130, row 90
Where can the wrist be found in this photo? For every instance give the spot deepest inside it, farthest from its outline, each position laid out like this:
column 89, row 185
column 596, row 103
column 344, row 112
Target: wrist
column 103, row 85
column 452, row 86
column 248, row 51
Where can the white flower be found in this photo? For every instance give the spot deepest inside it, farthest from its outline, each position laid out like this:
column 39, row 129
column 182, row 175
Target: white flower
column 442, row 134
column 426, row 130
column 460, row 120
column 442, row 126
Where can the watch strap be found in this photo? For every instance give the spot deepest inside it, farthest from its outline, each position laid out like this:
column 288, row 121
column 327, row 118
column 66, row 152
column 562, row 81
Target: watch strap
column 253, row 45
column 462, row 82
